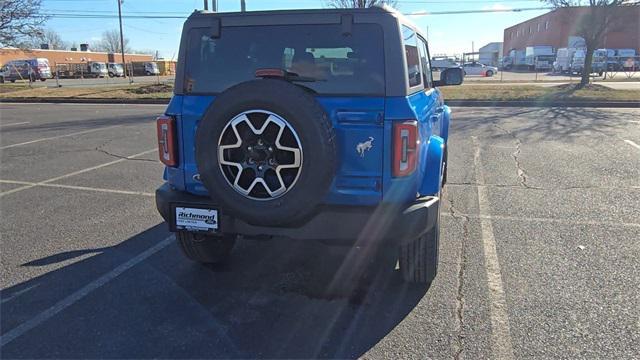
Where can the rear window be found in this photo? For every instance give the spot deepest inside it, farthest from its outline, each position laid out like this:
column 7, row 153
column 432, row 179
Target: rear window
column 341, row 64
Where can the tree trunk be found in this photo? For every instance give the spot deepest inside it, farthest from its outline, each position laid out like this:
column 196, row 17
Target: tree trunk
column 588, row 60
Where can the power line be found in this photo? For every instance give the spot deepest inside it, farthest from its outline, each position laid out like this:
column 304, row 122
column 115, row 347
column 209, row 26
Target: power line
column 88, row 14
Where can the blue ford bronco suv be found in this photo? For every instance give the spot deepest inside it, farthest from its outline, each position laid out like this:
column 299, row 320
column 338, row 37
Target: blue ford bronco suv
column 318, row 125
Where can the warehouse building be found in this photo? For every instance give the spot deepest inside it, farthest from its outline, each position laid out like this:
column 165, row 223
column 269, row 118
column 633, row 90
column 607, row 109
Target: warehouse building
column 556, row 27
column 67, row 56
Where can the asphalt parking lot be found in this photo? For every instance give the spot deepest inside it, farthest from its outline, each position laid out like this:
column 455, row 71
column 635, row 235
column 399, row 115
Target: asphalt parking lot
column 539, row 251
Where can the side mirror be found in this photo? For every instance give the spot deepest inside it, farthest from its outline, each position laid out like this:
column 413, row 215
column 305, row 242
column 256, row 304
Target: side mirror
column 450, row 76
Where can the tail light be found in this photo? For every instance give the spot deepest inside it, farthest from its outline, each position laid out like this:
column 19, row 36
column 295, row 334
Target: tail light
column 167, row 147
column 405, row 148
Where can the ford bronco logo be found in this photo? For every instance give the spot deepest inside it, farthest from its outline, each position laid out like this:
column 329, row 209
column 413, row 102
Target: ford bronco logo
column 364, row 146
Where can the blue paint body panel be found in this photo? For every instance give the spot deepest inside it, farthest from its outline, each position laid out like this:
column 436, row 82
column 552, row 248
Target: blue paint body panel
column 361, row 178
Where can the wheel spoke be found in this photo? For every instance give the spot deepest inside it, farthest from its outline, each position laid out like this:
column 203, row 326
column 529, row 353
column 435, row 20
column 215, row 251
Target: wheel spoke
column 245, row 144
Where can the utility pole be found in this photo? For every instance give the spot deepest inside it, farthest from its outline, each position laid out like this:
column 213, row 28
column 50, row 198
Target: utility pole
column 206, row 5
column 243, row 6
column 124, row 64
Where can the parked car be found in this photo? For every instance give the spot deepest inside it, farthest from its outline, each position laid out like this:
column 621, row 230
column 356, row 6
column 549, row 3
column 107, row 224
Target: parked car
column 306, row 124
column 91, row 69
column 115, row 69
column 28, row 69
column 142, row 68
column 476, row 68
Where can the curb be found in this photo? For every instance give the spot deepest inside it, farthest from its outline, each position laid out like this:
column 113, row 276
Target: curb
column 53, row 100
column 460, row 103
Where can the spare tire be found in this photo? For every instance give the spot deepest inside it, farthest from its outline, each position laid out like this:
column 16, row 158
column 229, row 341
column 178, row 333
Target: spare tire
column 266, row 151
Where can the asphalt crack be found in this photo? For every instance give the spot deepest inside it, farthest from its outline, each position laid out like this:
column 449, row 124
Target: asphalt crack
column 522, row 174
column 100, row 148
column 460, row 301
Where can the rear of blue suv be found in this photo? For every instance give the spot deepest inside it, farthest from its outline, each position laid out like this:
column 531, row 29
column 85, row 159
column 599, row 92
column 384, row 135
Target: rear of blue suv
column 314, row 125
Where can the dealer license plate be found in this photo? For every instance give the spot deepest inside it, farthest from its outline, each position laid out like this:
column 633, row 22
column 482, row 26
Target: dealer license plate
column 195, row 219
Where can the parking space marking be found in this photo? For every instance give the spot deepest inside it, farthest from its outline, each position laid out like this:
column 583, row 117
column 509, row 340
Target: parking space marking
column 13, row 124
column 57, row 137
column 18, row 293
column 500, row 329
column 551, row 220
column 45, row 182
column 81, row 293
column 73, row 187
column 632, row 144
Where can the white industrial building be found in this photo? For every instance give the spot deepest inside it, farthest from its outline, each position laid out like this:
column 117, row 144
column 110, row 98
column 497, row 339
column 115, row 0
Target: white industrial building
column 490, row 54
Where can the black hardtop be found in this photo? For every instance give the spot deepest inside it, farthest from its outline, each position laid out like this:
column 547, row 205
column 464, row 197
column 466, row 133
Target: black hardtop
column 388, row 18
column 300, row 13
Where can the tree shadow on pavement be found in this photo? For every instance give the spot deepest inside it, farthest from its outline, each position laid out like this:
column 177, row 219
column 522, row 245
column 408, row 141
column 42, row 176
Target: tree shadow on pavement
column 274, row 299
column 541, row 124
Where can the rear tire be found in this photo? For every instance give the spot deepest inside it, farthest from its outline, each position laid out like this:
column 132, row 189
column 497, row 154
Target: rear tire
column 445, row 159
column 489, row 73
column 205, row 249
column 419, row 259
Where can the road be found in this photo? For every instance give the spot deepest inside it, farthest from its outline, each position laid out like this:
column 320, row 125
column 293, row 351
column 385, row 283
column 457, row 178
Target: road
column 539, row 251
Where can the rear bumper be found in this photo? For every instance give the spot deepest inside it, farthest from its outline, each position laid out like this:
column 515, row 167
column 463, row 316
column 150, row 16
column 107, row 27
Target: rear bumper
column 389, row 223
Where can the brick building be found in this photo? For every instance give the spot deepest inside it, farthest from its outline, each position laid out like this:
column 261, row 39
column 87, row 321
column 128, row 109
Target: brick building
column 554, row 28
column 65, row 56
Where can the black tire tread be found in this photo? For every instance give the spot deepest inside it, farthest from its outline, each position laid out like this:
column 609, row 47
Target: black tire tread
column 206, row 251
column 418, row 259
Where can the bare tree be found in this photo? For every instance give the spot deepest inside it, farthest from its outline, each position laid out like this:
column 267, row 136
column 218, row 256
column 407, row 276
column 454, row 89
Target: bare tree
column 20, row 20
column 51, row 38
column 360, row 3
column 598, row 18
column 111, row 42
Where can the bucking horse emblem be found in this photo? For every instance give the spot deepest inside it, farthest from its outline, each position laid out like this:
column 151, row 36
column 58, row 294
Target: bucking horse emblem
column 364, row 146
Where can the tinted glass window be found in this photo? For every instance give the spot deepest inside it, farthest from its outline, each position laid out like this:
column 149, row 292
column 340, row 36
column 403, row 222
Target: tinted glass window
column 424, row 60
column 340, row 64
column 410, row 41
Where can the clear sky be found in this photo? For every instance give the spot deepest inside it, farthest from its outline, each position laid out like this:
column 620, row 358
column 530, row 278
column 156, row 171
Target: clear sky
column 450, row 34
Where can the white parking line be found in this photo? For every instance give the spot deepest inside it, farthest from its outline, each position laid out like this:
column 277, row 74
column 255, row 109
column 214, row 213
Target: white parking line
column 500, row 329
column 73, row 187
column 81, row 293
column 13, row 124
column 57, row 137
column 45, row 182
column 549, row 220
column 18, row 293
column 632, row 144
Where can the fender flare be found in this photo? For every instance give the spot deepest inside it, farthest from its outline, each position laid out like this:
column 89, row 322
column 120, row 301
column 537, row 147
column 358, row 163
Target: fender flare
column 446, row 120
column 433, row 167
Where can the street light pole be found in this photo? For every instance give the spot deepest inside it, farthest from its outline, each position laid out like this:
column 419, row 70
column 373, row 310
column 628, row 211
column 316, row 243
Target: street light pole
column 243, row 6
column 124, row 64
column 206, row 4
column 214, row 5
